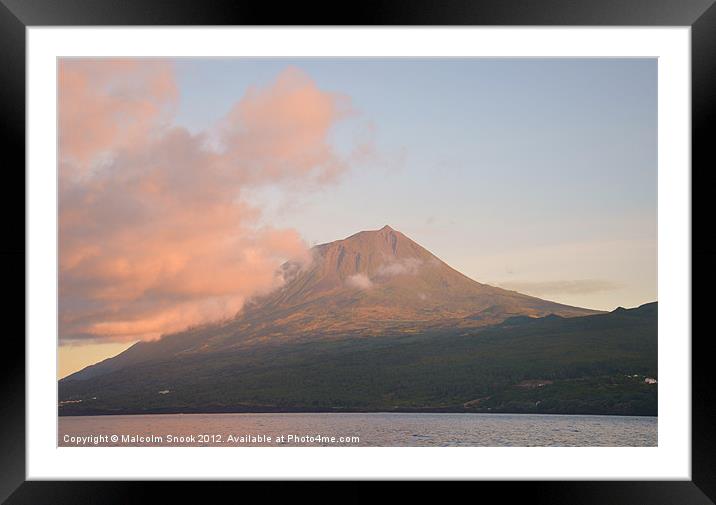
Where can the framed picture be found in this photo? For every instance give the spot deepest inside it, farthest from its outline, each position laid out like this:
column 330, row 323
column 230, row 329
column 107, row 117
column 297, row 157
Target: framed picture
column 409, row 243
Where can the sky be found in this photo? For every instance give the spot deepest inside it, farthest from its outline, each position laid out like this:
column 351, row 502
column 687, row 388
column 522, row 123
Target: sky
column 184, row 183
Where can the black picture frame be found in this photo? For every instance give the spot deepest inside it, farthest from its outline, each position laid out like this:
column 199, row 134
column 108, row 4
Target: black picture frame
column 17, row 15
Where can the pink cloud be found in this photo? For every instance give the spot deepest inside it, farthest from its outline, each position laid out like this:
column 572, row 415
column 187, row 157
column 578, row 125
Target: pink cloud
column 154, row 234
column 109, row 104
column 282, row 131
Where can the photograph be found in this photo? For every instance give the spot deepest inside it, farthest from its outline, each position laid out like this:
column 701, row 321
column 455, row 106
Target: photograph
column 357, row 252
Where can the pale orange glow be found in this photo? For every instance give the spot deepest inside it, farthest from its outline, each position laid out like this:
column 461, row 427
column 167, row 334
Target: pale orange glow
column 72, row 358
column 154, row 235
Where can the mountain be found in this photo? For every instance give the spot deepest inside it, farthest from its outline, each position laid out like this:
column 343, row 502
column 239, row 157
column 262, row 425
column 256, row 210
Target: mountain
column 375, row 322
column 378, row 279
column 372, row 283
column 596, row 364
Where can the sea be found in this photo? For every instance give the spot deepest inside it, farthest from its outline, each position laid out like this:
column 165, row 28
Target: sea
column 357, row 429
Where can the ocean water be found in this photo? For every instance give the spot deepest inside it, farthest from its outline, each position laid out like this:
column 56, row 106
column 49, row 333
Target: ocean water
column 353, row 429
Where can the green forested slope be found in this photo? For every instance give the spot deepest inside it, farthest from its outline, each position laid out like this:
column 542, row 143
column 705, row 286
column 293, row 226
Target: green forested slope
column 590, row 365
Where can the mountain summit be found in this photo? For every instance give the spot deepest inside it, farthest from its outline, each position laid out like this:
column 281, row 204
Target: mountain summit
column 373, row 283
column 380, row 278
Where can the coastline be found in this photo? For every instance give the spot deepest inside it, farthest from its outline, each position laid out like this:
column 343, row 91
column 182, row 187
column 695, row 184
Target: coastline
column 268, row 410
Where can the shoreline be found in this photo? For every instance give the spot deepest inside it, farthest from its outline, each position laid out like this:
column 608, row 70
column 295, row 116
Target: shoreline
column 154, row 412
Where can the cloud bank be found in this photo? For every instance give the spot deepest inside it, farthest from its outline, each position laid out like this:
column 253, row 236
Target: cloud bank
column 154, row 233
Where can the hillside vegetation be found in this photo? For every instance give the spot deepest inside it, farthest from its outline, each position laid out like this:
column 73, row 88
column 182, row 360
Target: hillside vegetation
column 594, row 364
